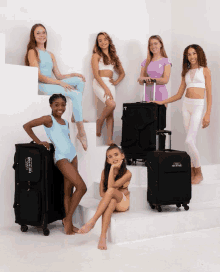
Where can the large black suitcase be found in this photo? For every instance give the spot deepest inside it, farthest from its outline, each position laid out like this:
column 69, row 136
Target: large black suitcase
column 139, row 124
column 169, row 177
column 39, row 187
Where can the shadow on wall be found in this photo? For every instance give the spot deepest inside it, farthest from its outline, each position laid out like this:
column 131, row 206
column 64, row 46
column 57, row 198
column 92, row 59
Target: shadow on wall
column 129, row 90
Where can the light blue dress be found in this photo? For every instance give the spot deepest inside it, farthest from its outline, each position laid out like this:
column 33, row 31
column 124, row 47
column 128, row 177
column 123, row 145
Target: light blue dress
column 46, row 67
column 59, row 136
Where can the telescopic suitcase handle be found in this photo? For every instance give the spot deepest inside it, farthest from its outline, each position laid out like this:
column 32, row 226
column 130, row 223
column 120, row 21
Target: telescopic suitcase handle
column 154, row 81
column 158, row 132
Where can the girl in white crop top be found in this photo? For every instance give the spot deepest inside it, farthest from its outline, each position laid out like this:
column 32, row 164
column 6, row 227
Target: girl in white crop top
column 104, row 62
column 196, row 79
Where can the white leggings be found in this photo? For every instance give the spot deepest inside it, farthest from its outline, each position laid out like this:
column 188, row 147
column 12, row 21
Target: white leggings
column 192, row 116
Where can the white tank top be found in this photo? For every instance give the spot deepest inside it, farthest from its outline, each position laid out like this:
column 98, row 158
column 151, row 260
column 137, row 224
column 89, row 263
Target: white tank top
column 102, row 66
column 195, row 78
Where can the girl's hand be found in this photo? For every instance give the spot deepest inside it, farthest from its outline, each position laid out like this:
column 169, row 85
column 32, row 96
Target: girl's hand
column 46, row 144
column 79, row 75
column 112, row 81
column 66, row 86
column 142, row 79
column 157, row 102
column 117, row 165
column 206, row 120
column 108, row 93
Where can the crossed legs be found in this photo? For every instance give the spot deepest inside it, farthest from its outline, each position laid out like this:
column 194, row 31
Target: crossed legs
column 71, row 200
column 105, row 208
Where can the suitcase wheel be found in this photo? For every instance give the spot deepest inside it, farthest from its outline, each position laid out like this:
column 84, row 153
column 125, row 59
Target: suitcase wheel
column 159, row 208
column 186, row 207
column 24, row 228
column 46, row 232
column 152, row 206
column 178, row 205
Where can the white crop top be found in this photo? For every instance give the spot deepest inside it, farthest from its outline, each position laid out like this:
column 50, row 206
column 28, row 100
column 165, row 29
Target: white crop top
column 102, row 66
column 197, row 80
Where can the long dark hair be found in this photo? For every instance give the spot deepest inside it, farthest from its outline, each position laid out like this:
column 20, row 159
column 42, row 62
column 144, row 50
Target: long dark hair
column 121, row 171
column 32, row 44
column 200, row 57
column 111, row 49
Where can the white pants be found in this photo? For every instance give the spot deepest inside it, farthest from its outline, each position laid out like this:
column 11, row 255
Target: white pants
column 99, row 91
column 192, row 110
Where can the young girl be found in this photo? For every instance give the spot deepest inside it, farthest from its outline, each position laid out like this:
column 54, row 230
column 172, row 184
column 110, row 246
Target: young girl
column 114, row 183
column 156, row 66
column 70, row 85
column 104, row 61
column 65, row 157
column 196, row 78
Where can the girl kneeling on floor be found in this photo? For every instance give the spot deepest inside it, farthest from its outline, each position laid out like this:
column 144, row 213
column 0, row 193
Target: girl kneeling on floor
column 114, row 183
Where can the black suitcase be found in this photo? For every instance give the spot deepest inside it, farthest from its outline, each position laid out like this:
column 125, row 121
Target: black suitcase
column 169, row 177
column 139, row 124
column 39, row 187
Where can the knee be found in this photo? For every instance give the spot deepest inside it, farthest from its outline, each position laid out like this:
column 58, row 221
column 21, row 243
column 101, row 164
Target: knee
column 111, row 104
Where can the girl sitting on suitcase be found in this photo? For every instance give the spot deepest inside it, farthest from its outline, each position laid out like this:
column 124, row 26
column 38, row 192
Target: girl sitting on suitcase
column 157, row 66
column 115, row 179
column 65, row 156
column 196, row 78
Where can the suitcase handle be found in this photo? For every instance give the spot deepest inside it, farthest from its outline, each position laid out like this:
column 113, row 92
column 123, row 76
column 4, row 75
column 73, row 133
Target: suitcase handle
column 154, row 81
column 158, row 132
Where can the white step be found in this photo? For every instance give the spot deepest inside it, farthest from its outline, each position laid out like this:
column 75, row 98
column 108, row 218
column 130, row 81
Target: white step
column 148, row 223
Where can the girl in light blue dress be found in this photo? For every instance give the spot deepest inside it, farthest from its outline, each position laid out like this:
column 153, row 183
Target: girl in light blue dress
column 70, row 85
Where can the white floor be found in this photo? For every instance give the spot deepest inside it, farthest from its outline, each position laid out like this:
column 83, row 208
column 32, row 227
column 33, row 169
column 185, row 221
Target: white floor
column 195, row 251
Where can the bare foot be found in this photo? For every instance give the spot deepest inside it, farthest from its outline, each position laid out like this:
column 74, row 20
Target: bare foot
column 83, row 140
column 102, row 243
column 98, row 128
column 75, row 229
column 87, row 227
column 197, row 179
column 68, row 228
column 110, row 142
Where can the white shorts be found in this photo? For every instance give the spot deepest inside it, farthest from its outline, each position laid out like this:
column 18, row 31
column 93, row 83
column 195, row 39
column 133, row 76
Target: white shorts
column 99, row 91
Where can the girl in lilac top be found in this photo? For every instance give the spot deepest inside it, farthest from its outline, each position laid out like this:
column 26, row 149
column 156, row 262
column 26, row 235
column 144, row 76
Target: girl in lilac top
column 156, row 66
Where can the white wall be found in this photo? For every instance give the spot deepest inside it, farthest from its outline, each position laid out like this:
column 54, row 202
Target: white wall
column 72, row 32
column 197, row 22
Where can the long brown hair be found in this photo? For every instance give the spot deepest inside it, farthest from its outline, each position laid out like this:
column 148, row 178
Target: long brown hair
column 111, row 49
column 122, row 170
column 201, row 58
column 32, row 43
column 162, row 49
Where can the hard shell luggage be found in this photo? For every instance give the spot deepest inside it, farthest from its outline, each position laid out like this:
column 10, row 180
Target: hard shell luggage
column 139, row 124
column 39, row 187
column 169, row 177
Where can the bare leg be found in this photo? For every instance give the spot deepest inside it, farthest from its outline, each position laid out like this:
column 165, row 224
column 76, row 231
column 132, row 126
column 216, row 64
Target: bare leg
column 110, row 123
column 71, row 173
column 192, row 172
column 81, row 135
column 110, row 194
column 108, row 109
column 106, row 217
column 198, row 176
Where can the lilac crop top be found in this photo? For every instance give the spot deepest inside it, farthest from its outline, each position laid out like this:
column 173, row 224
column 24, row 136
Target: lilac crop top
column 155, row 69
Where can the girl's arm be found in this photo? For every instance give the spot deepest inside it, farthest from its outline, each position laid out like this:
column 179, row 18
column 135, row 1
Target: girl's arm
column 121, row 73
column 95, row 70
column 117, row 184
column 57, row 73
column 175, row 97
column 208, row 85
column 44, row 120
column 101, row 185
column 165, row 77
